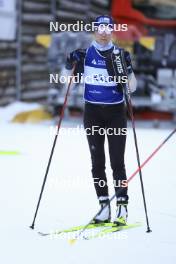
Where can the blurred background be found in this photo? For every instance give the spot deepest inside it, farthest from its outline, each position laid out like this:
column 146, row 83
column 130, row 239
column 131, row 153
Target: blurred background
column 29, row 52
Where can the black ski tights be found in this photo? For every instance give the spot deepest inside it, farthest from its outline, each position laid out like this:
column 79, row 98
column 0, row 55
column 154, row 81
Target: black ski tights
column 112, row 118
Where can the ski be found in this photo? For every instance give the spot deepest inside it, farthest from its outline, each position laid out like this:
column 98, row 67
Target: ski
column 105, row 229
column 76, row 228
column 112, row 230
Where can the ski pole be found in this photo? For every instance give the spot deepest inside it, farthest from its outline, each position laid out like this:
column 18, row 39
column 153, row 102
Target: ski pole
column 53, row 147
column 129, row 179
column 130, row 110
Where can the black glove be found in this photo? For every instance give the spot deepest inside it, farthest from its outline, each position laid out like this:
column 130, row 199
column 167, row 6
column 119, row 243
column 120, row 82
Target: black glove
column 76, row 56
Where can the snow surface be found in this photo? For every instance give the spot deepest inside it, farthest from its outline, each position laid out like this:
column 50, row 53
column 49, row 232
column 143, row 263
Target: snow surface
column 69, row 199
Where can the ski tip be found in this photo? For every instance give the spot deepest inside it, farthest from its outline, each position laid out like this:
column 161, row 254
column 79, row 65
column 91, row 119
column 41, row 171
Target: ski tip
column 72, row 241
column 43, row 234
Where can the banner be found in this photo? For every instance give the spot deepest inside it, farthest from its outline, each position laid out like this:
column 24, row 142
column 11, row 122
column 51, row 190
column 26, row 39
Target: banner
column 7, row 19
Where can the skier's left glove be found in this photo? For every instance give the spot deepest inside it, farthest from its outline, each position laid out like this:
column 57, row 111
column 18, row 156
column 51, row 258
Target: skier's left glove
column 132, row 83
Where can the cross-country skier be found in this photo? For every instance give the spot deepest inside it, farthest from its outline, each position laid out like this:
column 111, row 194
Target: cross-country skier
column 105, row 110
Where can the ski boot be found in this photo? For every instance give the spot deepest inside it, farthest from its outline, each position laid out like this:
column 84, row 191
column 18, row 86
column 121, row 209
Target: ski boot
column 121, row 212
column 105, row 214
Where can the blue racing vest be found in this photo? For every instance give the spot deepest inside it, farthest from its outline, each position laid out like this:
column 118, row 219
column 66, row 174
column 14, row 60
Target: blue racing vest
column 100, row 88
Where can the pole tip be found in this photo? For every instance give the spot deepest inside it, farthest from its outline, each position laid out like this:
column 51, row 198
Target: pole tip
column 32, row 226
column 148, row 230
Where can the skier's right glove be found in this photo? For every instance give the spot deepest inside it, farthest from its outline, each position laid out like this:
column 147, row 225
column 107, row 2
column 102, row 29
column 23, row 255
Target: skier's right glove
column 75, row 57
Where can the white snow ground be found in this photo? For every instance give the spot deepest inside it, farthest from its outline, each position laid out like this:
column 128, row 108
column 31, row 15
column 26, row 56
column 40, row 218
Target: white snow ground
column 69, row 199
